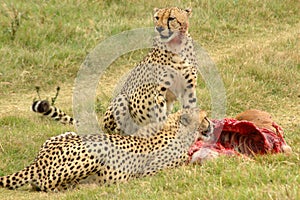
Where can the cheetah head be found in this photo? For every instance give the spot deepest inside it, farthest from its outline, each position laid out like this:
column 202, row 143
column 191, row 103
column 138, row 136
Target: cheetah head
column 206, row 127
column 200, row 120
column 170, row 23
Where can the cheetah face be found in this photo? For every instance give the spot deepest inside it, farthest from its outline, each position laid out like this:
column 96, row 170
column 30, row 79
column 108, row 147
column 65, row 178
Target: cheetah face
column 206, row 126
column 171, row 22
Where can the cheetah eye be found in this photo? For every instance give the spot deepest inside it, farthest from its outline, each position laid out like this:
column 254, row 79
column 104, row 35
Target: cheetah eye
column 171, row 18
column 157, row 18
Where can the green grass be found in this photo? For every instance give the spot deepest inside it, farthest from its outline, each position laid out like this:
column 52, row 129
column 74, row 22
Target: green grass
column 255, row 45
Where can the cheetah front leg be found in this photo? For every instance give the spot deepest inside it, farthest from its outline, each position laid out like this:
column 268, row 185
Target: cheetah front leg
column 160, row 108
column 166, row 95
column 189, row 97
column 175, row 85
column 118, row 118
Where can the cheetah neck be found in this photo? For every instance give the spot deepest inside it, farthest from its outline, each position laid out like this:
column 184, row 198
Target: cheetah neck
column 176, row 45
column 181, row 45
column 188, row 136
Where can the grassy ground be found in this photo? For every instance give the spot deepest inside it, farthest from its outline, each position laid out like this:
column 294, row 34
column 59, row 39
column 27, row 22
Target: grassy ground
column 255, row 45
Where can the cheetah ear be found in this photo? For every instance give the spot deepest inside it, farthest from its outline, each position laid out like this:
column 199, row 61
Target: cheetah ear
column 185, row 119
column 188, row 12
column 155, row 10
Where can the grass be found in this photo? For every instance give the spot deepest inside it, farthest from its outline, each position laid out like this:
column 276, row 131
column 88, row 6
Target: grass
column 254, row 44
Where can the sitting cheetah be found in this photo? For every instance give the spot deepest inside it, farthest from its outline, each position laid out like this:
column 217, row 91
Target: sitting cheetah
column 168, row 73
column 68, row 159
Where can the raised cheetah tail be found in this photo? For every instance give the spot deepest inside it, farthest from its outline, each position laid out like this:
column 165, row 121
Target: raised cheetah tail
column 17, row 179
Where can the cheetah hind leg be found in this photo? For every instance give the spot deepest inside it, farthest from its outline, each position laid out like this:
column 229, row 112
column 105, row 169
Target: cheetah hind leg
column 118, row 118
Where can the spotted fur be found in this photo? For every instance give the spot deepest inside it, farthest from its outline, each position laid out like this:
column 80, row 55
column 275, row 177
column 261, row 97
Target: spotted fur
column 168, row 73
column 68, row 159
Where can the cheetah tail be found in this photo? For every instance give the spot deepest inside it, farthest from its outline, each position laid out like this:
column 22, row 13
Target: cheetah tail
column 17, row 179
column 43, row 107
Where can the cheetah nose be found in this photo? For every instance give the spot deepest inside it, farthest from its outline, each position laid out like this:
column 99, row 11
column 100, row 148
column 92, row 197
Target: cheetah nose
column 159, row 29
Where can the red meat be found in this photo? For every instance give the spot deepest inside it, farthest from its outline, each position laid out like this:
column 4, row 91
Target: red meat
column 234, row 137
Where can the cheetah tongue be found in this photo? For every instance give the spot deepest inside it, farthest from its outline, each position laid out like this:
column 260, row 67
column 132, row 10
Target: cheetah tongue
column 240, row 137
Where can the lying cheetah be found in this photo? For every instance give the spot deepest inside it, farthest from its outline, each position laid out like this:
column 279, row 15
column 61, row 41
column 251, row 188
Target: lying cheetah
column 168, row 73
column 68, row 159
